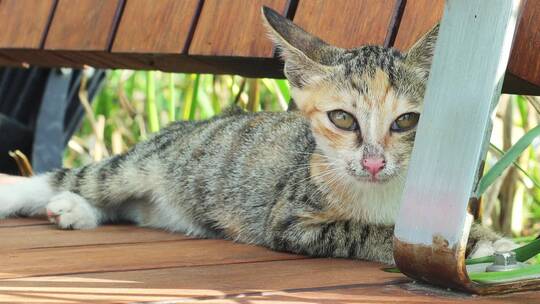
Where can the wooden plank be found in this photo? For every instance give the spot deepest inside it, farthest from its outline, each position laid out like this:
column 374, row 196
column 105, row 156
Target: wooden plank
column 159, row 26
column 39, row 57
column 122, row 257
column 37, row 236
column 5, row 60
column 22, row 222
column 346, row 23
column 24, row 22
column 372, row 293
column 418, row 18
column 297, row 281
column 205, row 282
column 234, row 28
column 83, row 25
column 525, row 62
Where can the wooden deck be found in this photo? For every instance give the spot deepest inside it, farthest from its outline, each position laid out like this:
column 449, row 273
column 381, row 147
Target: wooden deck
column 123, row 264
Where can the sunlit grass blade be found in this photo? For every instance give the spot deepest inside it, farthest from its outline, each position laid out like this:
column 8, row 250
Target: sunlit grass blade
column 531, row 178
column 284, row 88
column 523, row 110
column 194, row 97
column 172, row 98
column 204, row 101
column 530, row 271
column 254, row 104
column 216, row 105
column 151, row 107
column 275, row 90
column 509, row 157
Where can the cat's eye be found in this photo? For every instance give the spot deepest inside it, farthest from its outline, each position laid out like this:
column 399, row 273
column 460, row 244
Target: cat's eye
column 405, row 122
column 343, row 120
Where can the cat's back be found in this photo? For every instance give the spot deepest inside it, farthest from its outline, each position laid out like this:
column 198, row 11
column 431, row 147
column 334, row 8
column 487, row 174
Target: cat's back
column 252, row 137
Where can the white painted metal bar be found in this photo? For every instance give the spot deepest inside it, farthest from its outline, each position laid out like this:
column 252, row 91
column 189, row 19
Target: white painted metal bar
column 470, row 60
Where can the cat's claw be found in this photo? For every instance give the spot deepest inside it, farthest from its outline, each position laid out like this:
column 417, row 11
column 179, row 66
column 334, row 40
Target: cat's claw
column 486, row 248
column 71, row 211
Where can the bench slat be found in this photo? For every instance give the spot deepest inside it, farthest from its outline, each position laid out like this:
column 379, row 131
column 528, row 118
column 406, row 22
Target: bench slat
column 124, row 257
column 346, row 23
column 159, row 26
column 50, row 236
column 234, row 28
column 327, row 276
column 418, row 18
column 24, row 22
column 82, row 31
column 5, row 60
column 85, row 25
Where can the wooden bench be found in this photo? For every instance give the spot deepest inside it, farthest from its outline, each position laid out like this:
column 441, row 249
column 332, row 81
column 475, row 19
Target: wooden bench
column 224, row 37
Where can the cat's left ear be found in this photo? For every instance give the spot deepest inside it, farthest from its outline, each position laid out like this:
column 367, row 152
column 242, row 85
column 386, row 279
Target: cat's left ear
column 421, row 53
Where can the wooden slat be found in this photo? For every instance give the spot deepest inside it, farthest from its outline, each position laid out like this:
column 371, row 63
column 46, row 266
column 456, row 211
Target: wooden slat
column 82, row 25
column 234, row 28
column 296, row 281
column 22, row 222
column 346, row 23
column 158, row 26
column 23, row 23
column 5, row 60
column 388, row 293
column 41, row 58
column 525, row 60
column 418, row 18
column 131, row 257
column 204, row 282
column 37, row 236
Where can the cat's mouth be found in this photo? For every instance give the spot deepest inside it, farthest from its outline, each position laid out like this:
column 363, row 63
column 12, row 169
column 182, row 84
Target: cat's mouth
column 367, row 178
column 373, row 180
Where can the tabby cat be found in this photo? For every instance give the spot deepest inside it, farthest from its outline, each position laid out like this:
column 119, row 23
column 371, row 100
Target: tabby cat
column 324, row 180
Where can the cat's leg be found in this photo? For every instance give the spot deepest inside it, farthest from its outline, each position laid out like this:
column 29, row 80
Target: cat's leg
column 72, row 211
column 76, row 198
column 345, row 239
column 350, row 239
column 35, row 196
column 484, row 242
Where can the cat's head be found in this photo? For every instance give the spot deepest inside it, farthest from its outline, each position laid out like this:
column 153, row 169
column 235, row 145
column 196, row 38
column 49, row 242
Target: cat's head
column 363, row 104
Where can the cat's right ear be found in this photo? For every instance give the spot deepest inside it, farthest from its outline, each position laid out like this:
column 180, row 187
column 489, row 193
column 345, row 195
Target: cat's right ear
column 421, row 53
column 306, row 56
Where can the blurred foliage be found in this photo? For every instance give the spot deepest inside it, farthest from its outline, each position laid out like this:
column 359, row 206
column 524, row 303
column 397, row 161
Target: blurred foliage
column 134, row 104
column 511, row 204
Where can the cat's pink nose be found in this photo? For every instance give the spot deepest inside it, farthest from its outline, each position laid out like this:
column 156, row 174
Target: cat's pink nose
column 373, row 165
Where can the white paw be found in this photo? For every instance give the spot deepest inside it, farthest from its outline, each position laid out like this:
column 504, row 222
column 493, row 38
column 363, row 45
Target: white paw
column 486, row 248
column 71, row 211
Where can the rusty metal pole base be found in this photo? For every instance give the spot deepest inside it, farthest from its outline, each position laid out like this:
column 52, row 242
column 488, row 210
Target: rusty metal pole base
column 471, row 56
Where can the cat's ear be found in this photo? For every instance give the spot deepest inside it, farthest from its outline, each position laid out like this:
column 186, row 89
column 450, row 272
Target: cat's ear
column 421, row 53
column 306, row 56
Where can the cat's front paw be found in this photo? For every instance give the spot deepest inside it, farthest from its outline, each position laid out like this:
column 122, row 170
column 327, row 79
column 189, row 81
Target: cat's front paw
column 71, row 211
column 486, row 248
